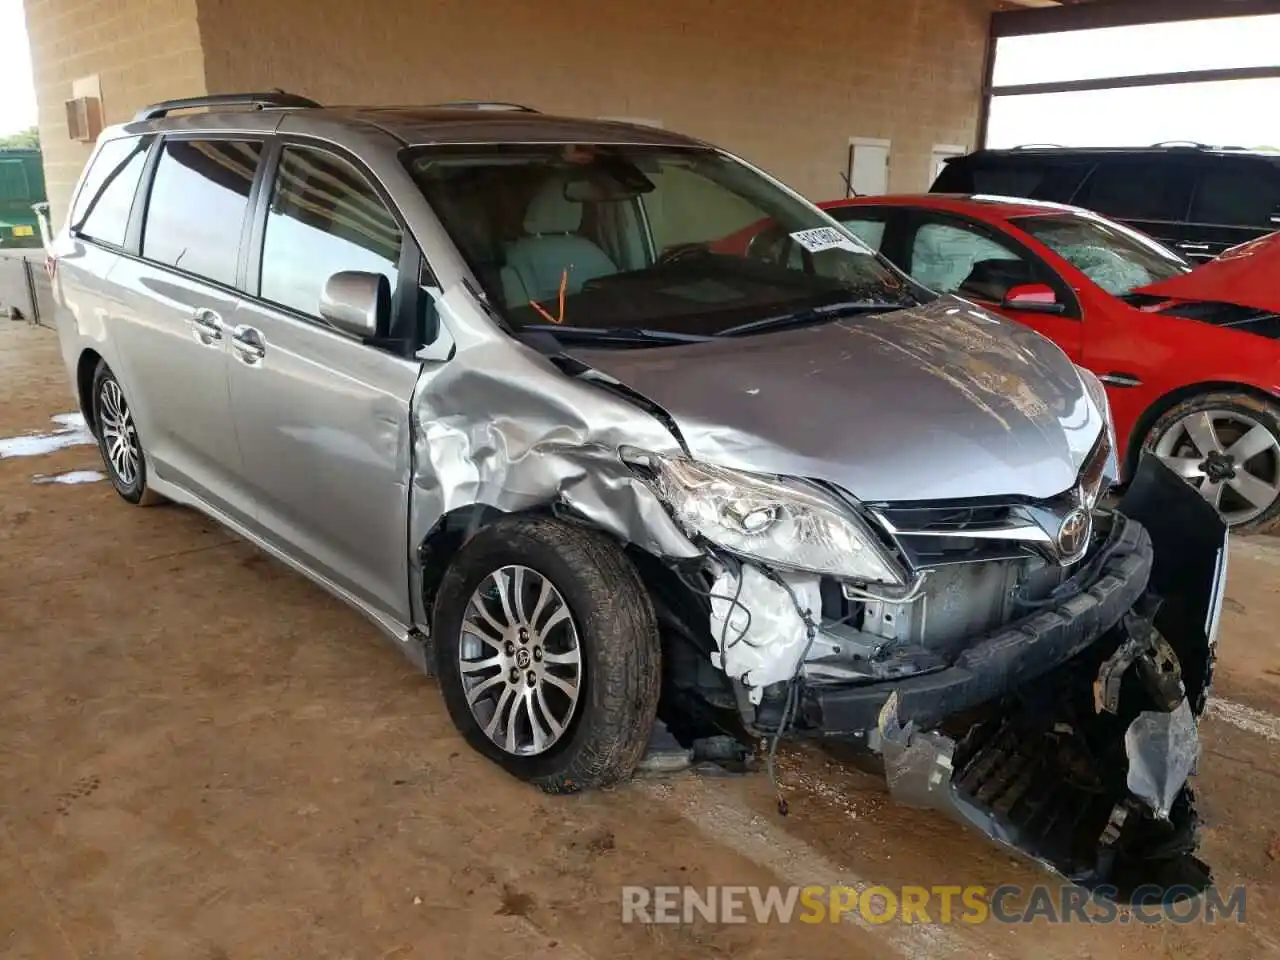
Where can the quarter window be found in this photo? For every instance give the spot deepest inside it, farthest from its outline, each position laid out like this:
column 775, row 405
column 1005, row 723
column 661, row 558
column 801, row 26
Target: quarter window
column 102, row 207
column 198, row 204
column 325, row 217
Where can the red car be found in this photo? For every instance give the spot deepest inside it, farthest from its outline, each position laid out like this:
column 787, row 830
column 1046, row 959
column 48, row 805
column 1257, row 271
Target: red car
column 1189, row 356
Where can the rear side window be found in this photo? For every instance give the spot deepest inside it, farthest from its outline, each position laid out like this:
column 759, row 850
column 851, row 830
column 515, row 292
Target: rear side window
column 101, row 210
column 198, row 202
column 1238, row 194
column 1138, row 191
column 324, row 217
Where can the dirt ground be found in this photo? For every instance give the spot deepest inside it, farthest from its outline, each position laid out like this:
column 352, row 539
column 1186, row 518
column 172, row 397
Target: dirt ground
column 204, row 756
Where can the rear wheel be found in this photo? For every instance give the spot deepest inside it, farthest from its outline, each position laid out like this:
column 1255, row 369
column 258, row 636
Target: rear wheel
column 1226, row 445
column 547, row 650
column 118, row 439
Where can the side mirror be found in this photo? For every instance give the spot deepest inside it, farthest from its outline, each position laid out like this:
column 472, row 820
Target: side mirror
column 357, row 303
column 1032, row 298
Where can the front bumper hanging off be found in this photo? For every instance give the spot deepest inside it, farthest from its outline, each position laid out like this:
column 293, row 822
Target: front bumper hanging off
column 1070, row 735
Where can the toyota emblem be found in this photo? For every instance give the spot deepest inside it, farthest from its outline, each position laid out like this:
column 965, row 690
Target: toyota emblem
column 1073, row 535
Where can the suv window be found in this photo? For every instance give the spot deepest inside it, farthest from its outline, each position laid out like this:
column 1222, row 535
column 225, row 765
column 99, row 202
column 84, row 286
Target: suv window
column 324, row 217
column 102, row 208
column 1137, row 190
column 951, row 258
column 1009, row 177
column 1238, row 195
column 198, row 202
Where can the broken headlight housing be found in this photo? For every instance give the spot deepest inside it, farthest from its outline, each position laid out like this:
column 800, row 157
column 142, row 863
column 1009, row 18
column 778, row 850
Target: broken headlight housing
column 779, row 522
column 1101, row 468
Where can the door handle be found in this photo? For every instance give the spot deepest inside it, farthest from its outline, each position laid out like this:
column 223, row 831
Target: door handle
column 249, row 343
column 207, row 326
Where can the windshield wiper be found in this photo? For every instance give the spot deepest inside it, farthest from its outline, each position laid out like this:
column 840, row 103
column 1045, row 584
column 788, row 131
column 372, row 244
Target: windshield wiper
column 798, row 318
column 617, row 334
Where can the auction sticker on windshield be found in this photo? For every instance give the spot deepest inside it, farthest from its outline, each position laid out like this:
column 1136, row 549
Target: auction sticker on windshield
column 826, row 238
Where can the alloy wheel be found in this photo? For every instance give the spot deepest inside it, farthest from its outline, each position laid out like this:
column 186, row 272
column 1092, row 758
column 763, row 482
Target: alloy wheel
column 1231, row 458
column 520, row 660
column 120, row 436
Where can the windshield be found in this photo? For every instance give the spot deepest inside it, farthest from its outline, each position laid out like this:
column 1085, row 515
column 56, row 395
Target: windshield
column 646, row 238
column 1114, row 257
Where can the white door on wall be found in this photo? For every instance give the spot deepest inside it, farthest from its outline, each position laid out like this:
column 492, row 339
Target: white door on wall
column 868, row 174
column 941, row 153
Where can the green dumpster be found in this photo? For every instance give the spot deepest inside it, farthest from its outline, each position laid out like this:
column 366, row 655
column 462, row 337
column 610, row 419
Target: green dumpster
column 21, row 185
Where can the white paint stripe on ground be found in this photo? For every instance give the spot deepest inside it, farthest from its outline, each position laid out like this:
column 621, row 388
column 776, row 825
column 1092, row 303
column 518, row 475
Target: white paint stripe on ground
column 1245, row 718
column 794, row 861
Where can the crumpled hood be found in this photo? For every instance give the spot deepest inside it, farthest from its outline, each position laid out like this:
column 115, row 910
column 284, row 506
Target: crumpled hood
column 1247, row 276
column 938, row 402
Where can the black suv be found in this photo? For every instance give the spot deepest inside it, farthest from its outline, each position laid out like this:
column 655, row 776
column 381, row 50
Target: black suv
column 1199, row 200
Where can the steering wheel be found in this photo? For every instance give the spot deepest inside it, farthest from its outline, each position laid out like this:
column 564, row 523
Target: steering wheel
column 679, row 252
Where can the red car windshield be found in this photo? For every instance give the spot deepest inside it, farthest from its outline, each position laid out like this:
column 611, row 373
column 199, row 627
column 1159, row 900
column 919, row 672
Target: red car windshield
column 1117, row 259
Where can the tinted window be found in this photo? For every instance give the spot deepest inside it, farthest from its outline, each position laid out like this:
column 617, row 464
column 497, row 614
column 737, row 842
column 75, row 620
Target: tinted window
column 324, row 217
column 1238, row 194
column 1138, row 191
column 198, row 203
column 1038, row 179
column 950, row 258
column 102, row 208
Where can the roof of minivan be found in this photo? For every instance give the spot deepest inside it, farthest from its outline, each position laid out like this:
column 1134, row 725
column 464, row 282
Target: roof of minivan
column 433, row 125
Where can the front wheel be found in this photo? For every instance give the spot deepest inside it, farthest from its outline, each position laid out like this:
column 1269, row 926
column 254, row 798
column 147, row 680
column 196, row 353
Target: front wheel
column 118, row 439
column 1227, row 445
column 547, row 650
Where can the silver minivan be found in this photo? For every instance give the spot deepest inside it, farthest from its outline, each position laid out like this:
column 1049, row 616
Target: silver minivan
column 641, row 453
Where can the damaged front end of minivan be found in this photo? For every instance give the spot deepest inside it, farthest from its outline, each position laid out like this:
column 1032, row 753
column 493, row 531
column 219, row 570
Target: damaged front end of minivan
column 890, row 532
column 1052, row 707
column 1082, row 760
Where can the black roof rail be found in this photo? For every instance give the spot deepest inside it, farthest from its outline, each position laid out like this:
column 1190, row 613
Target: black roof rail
column 270, row 98
column 1188, row 144
column 1039, row 146
column 483, row 105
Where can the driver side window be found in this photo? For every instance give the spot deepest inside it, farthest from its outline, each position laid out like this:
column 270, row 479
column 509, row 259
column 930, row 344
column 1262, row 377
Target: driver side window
column 949, row 258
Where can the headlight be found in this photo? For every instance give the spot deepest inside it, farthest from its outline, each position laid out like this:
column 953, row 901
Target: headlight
column 1101, row 469
column 782, row 523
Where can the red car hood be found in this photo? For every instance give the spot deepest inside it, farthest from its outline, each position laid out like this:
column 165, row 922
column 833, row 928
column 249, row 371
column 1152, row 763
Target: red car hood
column 1247, row 276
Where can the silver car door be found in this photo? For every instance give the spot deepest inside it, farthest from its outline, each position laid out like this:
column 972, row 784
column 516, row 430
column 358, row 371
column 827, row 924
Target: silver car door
column 323, row 418
column 170, row 325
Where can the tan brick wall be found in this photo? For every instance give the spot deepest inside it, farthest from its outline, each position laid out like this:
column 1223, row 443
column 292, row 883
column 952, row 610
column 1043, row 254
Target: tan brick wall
column 141, row 50
column 783, row 84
